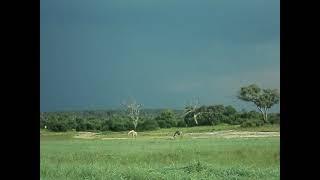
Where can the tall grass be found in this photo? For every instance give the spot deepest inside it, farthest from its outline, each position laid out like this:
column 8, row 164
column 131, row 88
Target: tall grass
column 252, row 158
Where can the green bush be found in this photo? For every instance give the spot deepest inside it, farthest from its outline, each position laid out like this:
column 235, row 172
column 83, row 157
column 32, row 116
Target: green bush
column 239, row 120
column 105, row 125
column 163, row 124
column 117, row 121
column 229, row 110
column 251, row 123
column 259, row 122
column 81, row 124
column 207, row 119
column 94, row 124
column 118, row 126
column 57, row 124
column 166, row 119
column 234, row 119
column 71, row 124
column 42, row 124
column 148, row 124
column 247, row 123
column 121, row 124
column 189, row 120
column 181, row 123
column 274, row 118
column 250, row 115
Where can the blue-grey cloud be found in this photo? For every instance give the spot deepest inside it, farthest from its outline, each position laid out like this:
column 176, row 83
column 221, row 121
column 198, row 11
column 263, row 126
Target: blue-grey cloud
column 96, row 53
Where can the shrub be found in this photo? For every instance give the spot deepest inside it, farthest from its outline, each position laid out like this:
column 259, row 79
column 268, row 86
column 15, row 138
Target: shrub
column 163, row 124
column 105, row 125
column 181, row 123
column 93, row 124
column 148, row 124
column 121, row 123
column 229, row 110
column 251, row 123
column 236, row 120
column 42, row 124
column 81, row 124
column 259, row 122
column 189, row 120
column 57, row 124
column 274, row 118
column 206, row 119
column 247, row 123
column 166, row 119
column 71, row 124
column 250, row 115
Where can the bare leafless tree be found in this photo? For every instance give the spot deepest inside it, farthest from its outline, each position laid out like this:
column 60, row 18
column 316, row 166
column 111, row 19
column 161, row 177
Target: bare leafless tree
column 133, row 111
column 192, row 108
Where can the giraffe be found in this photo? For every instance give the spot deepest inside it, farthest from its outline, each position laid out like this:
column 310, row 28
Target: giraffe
column 179, row 133
column 133, row 133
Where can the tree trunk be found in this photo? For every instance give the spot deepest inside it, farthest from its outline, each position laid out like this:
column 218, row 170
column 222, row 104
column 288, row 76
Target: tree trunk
column 135, row 126
column 264, row 112
column 135, row 122
column 195, row 118
column 266, row 119
column 265, row 116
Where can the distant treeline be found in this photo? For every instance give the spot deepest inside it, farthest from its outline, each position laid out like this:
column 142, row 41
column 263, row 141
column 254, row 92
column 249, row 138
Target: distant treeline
column 150, row 119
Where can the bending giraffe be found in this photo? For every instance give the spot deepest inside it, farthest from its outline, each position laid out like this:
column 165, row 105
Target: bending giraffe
column 133, row 133
column 179, row 133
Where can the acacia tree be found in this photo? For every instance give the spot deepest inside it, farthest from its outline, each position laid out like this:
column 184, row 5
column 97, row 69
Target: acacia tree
column 133, row 111
column 263, row 99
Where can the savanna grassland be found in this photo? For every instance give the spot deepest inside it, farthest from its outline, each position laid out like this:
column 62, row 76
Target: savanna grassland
column 220, row 152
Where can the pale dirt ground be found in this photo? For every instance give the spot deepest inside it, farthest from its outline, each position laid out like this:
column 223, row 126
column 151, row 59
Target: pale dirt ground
column 86, row 135
column 235, row 134
column 218, row 134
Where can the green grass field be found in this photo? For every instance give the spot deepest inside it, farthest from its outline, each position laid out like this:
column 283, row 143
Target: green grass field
column 65, row 157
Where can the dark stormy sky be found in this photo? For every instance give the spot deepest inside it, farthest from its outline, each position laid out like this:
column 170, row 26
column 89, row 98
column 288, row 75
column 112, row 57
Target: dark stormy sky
column 96, row 53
